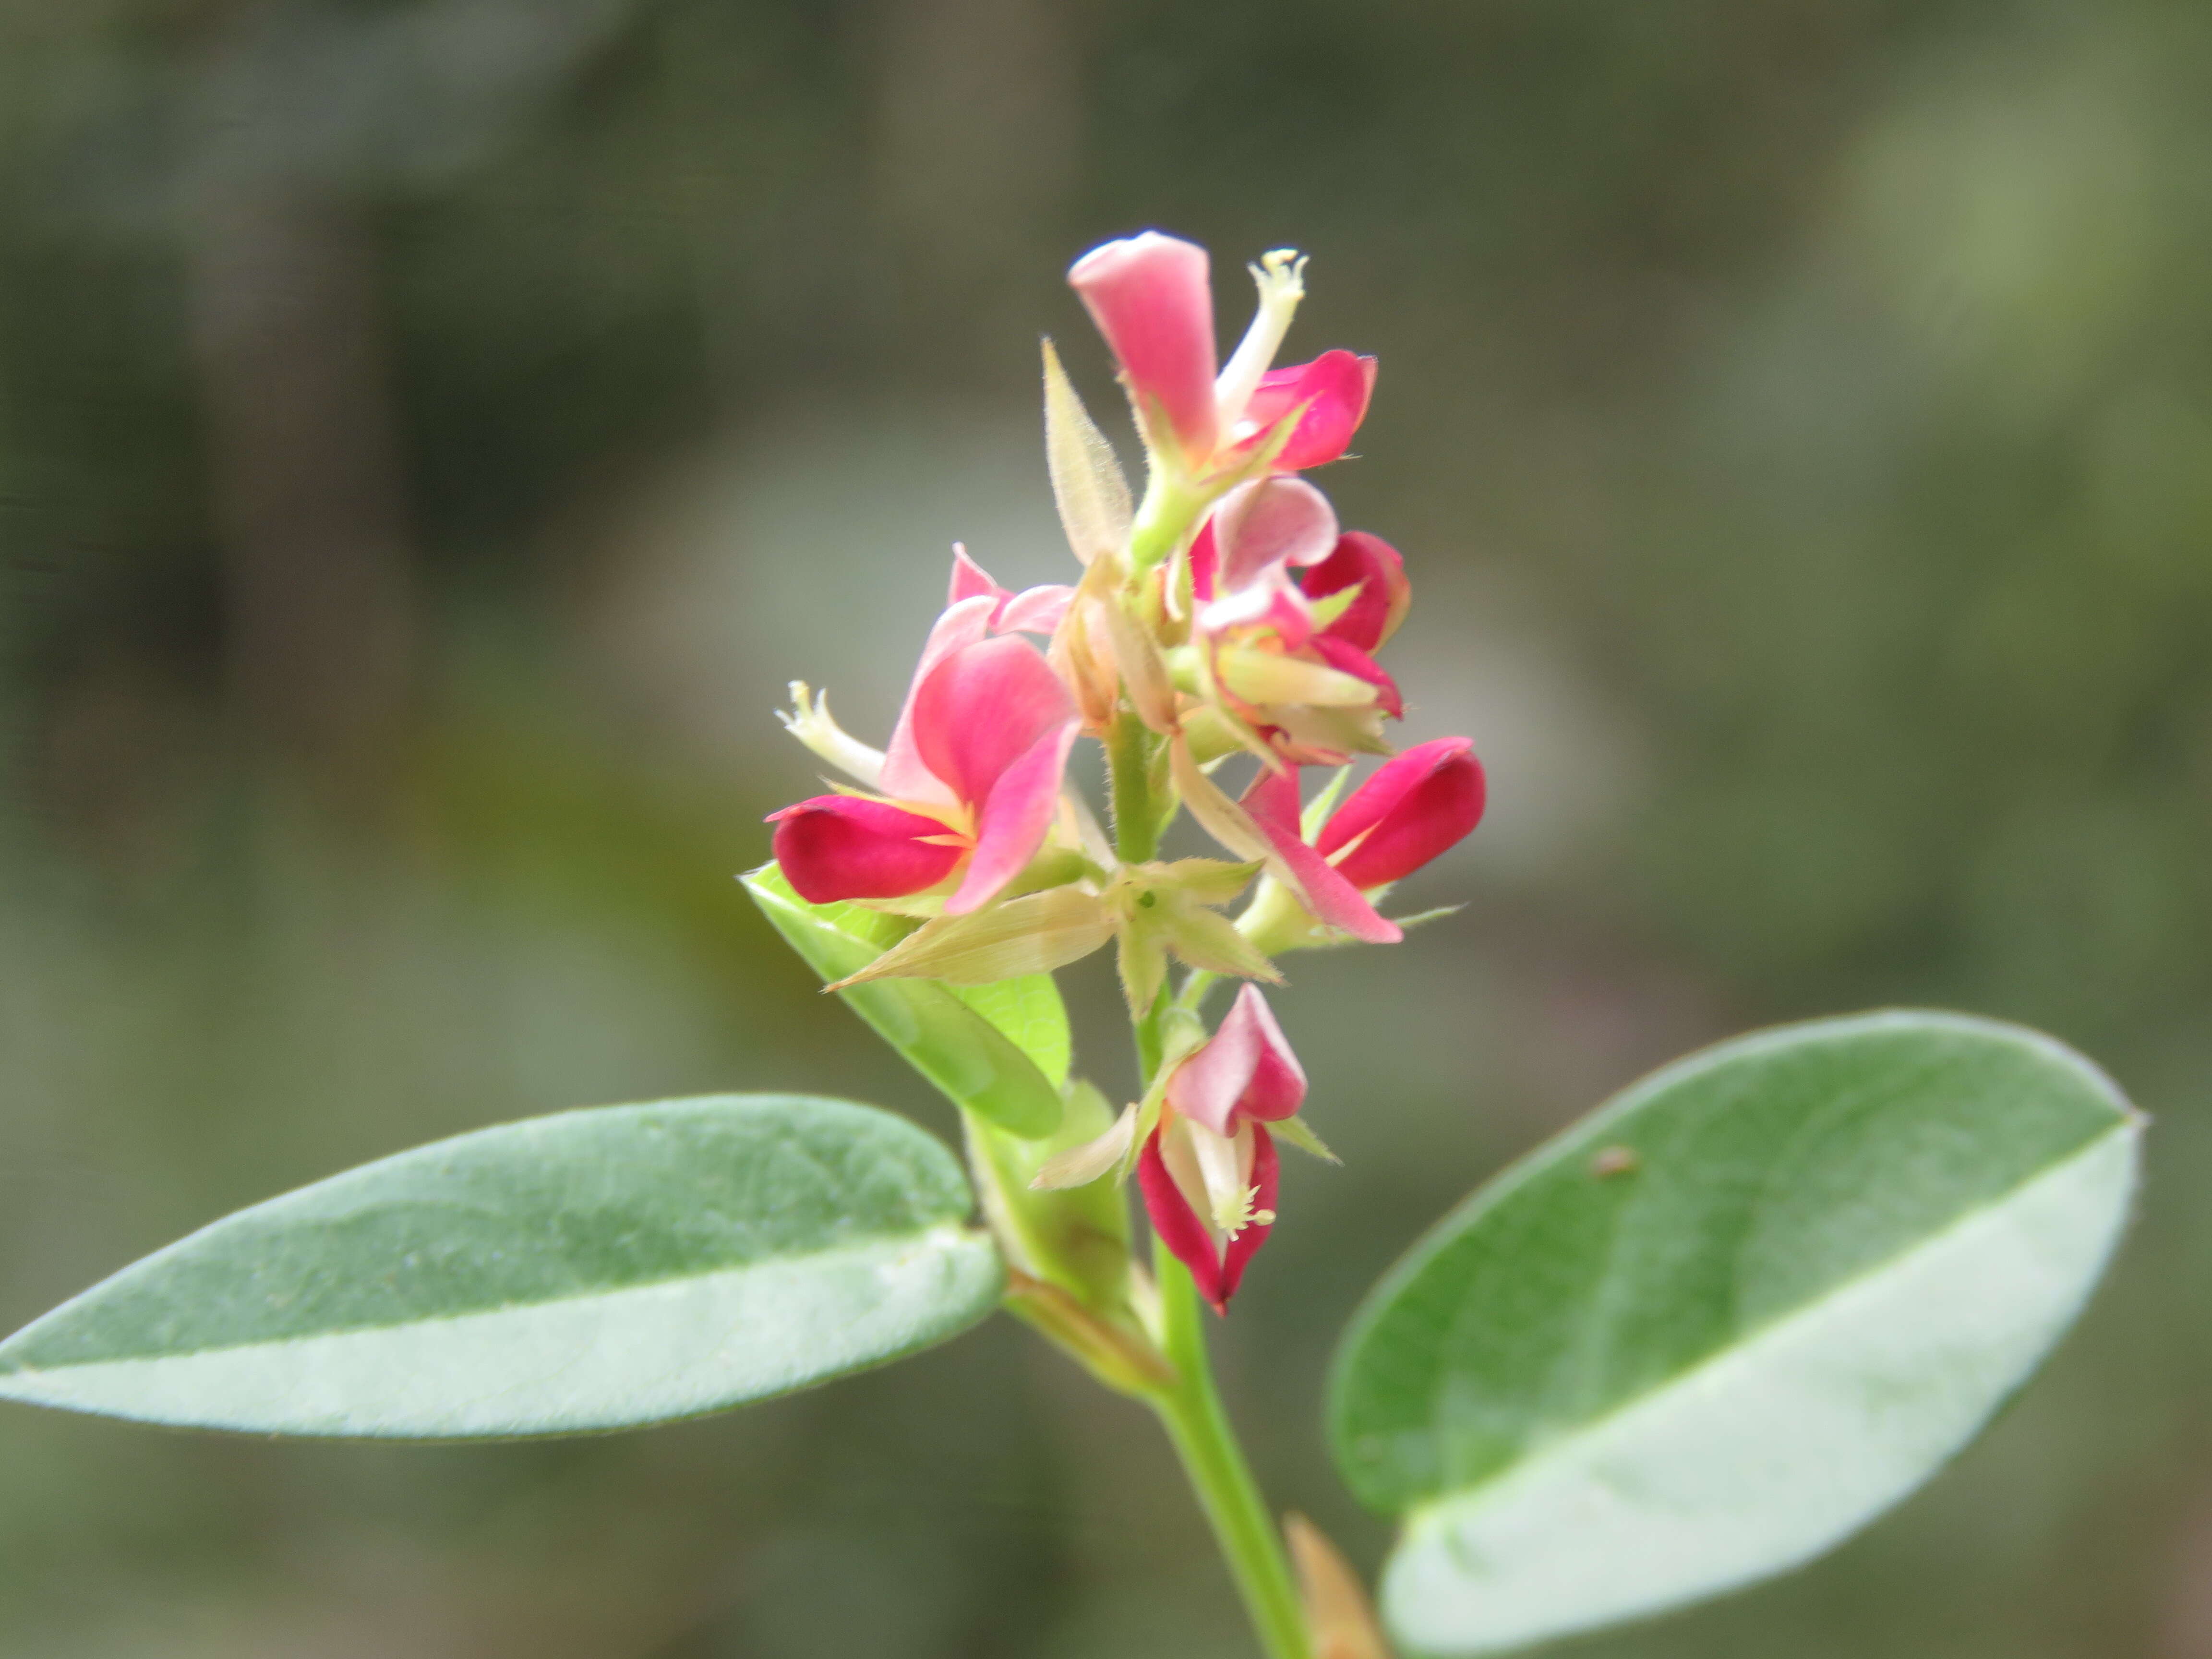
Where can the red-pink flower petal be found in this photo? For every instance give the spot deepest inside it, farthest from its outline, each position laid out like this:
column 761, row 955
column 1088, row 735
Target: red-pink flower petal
column 844, row 847
column 905, row 774
column 1272, row 802
column 1152, row 298
column 1335, row 387
column 982, row 708
column 1217, row 1271
column 1204, row 557
column 1015, row 818
column 1374, row 567
column 1413, row 808
column 969, row 580
column 1246, row 1069
column 1264, row 524
column 1348, row 659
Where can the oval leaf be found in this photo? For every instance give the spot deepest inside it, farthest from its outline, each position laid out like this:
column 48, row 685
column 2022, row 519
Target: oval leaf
column 968, row 1057
column 1711, row 1331
column 591, row 1270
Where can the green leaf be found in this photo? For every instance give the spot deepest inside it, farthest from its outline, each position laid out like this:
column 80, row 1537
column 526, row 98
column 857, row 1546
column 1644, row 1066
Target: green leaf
column 1711, row 1331
column 968, row 1058
column 591, row 1270
column 1028, row 1009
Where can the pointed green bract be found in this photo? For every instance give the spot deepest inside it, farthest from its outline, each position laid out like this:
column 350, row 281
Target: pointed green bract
column 1087, row 486
column 975, row 1065
column 591, row 1270
column 1713, row 1329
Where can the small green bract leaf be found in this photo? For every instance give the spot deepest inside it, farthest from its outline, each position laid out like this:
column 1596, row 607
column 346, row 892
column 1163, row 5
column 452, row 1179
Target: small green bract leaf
column 591, row 1270
column 966, row 1056
column 1721, row 1324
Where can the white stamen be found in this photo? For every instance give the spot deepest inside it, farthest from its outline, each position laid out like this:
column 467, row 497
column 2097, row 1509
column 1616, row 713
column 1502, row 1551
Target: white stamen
column 1280, row 276
column 811, row 723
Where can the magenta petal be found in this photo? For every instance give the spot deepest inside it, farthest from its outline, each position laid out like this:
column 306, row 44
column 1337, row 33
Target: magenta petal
column 1035, row 610
column 1374, row 567
column 1152, row 298
column 905, row 774
column 982, row 708
column 1179, row 1227
column 1205, row 556
column 1216, row 1273
column 1265, row 1171
column 1245, row 1069
column 1420, row 804
column 1268, row 523
column 1015, row 819
column 1273, row 801
column 1348, row 659
column 969, row 580
column 844, row 847
column 1335, row 387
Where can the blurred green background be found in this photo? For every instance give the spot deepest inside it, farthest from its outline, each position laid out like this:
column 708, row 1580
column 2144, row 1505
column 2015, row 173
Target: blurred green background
column 432, row 433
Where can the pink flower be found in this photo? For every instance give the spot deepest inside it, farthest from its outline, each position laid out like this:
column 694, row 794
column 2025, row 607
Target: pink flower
column 1151, row 297
column 1415, row 806
column 1208, row 1170
column 973, row 772
column 1307, row 692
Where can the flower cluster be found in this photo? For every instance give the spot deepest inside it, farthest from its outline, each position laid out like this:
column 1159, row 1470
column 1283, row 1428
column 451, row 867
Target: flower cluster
column 1227, row 613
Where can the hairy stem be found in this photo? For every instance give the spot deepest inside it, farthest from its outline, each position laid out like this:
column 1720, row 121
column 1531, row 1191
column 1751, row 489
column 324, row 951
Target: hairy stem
column 1129, row 750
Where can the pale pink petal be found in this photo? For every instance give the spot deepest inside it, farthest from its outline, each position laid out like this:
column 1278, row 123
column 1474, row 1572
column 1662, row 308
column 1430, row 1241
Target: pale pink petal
column 981, row 708
column 905, row 774
column 1271, row 602
column 969, row 580
column 1035, row 610
column 1273, row 803
column 1335, row 387
column 1266, row 524
column 1245, row 1069
column 1015, row 818
column 1420, row 804
column 843, row 847
column 1152, row 298
column 1374, row 567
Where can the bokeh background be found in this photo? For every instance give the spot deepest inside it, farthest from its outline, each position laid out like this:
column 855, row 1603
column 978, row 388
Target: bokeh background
column 431, row 433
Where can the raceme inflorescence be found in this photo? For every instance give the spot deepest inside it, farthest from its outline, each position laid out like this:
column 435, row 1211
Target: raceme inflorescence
column 1694, row 1340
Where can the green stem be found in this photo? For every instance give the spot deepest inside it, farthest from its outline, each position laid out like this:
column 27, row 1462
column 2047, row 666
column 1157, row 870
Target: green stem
column 1244, row 1526
column 1129, row 749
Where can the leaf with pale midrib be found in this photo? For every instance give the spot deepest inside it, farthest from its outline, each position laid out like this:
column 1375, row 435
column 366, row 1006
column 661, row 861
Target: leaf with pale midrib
column 1905, row 1208
column 520, row 1257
